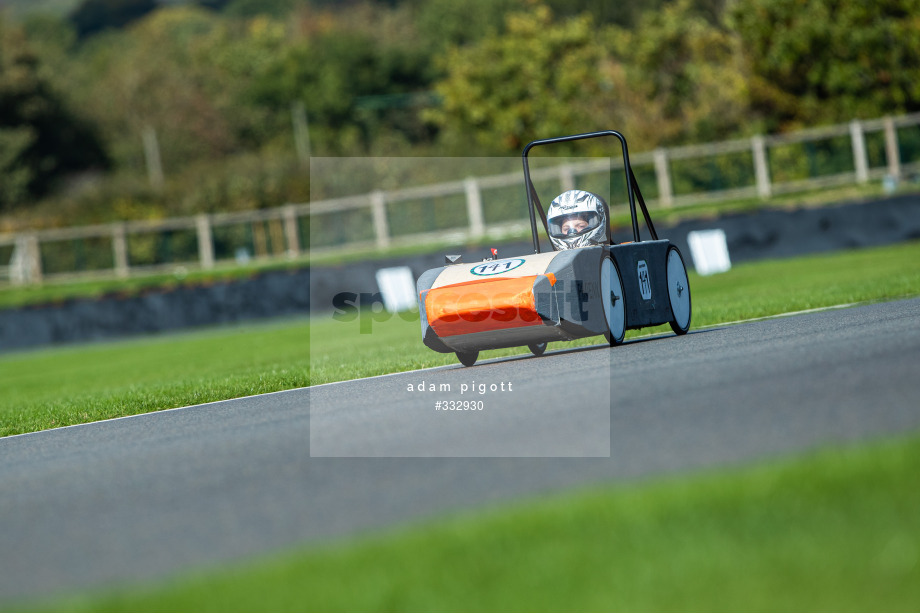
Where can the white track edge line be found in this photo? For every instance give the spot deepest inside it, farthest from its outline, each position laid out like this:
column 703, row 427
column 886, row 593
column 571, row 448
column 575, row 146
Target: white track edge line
column 150, row 413
column 359, row 379
column 784, row 315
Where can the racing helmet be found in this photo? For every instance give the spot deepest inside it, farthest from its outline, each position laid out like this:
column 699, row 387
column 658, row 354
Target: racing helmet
column 577, row 218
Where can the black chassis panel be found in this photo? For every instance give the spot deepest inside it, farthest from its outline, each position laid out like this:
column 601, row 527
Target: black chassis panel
column 641, row 311
column 579, row 309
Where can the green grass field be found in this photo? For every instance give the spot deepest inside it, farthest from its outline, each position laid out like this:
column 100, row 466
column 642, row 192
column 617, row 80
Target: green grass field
column 62, row 386
column 833, row 531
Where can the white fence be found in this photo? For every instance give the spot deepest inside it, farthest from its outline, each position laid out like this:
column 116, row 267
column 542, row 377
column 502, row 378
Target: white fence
column 759, row 167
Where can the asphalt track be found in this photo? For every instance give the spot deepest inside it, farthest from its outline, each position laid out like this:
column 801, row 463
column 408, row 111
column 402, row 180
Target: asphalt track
column 147, row 497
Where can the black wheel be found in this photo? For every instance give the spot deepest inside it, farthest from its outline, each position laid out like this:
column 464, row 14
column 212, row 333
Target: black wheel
column 678, row 292
column 614, row 302
column 537, row 348
column 467, row 358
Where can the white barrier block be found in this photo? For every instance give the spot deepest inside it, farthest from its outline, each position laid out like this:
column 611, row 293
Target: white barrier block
column 709, row 251
column 398, row 288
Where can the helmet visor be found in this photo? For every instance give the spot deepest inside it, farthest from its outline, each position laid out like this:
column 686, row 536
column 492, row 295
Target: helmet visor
column 573, row 224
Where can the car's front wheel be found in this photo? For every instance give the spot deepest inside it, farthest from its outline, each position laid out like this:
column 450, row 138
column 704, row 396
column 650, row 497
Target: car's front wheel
column 678, row 292
column 537, row 349
column 614, row 302
column 467, row 358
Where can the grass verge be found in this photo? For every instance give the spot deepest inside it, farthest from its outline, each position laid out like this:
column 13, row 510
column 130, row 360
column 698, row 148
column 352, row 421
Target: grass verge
column 54, row 387
column 62, row 386
column 834, row 531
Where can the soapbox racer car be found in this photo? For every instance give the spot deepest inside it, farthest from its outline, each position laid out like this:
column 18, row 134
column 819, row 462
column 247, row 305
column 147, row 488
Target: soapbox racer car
column 597, row 289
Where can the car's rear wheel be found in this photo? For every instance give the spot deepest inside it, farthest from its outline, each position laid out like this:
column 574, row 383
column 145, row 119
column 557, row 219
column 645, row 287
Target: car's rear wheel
column 467, row 358
column 614, row 302
column 678, row 292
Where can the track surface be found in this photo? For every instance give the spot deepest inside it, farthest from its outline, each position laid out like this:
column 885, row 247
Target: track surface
column 154, row 495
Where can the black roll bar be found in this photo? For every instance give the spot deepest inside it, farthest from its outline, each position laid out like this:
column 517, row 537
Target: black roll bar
column 632, row 186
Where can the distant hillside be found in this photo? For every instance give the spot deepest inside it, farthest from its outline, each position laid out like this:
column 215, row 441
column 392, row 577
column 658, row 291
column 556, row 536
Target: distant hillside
column 22, row 8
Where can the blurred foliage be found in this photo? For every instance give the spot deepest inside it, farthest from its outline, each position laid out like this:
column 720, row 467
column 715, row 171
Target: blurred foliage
column 442, row 23
column 351, row 88
column 24, row 8
column 719, row 172
column 674, row 78
column 41, row 138
column 93, row 16
column 799, row 161
column 14, row 175
column 216, row 81
column 252, row 8
column 824, row 61
column 679, row 79
column 540, row 78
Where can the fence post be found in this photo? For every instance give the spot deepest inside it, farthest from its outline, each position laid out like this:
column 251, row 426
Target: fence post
column 860, row 161
column 34, row 261
column 205, row 241
column 663, row 175
column 474, row 207
column 761, row 170
column 892, row 151
column 26, row 267
column 19, row 271
column 292, row 237
column 566, row 177
column 120, row 250
column 379, row 209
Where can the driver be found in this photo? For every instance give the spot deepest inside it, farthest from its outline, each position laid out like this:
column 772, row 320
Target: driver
column 577, row 218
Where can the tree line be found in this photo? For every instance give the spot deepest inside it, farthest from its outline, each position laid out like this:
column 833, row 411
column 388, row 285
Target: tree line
column 216, row 82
